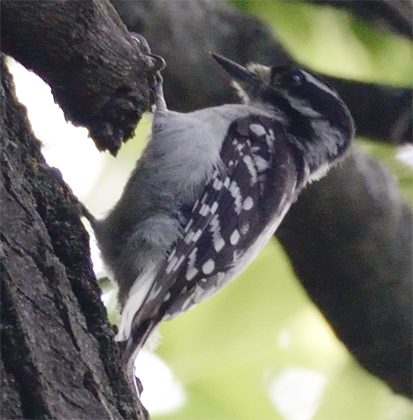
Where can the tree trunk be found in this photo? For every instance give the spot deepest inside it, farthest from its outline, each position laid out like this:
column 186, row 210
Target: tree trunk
column 84, row 52
column 59, row 359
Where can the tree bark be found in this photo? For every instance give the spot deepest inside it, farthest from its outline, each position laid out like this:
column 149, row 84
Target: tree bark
column 58, row 356
column 98, row 80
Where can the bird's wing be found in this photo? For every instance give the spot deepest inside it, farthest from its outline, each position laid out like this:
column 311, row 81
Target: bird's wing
column 234, row 208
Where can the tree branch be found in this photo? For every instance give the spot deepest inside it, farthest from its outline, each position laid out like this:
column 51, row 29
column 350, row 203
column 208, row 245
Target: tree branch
column 84, row 52
column 349, row 239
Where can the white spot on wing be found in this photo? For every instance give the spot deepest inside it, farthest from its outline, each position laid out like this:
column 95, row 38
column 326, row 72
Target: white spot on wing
column 204, row 210
column 191, row 273
column 197, row 235
column 257, row 129
column 174, row 264
column 217, row 239
column 236, row 194
column 178, row 264
column 219, row 243
column 237, row 145
column 221, row 280
column 189, row 225
column 172, row 254
column 251, row 168
column 245, row 228
column 198, row 294
column 214, row 207
column 189, row 236
column 154, row 293
column 208, row 267
column 187, row 304
column 171, row 264
column 269, row 139
column 234, row 237
column 248, row 203
column 217, row 184
column 261, row 163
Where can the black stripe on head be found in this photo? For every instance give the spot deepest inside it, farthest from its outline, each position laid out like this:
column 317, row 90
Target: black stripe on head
column 299, row 125
column 311, row 96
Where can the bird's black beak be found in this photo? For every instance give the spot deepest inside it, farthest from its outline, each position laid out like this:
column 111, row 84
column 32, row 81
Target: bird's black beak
column 239, row 73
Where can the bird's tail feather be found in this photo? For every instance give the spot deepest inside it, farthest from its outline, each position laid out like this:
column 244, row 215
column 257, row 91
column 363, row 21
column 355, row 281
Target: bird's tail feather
column 131, row 348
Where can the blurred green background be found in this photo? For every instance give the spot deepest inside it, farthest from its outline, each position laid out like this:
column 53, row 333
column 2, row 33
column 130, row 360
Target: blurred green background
column 260, row 349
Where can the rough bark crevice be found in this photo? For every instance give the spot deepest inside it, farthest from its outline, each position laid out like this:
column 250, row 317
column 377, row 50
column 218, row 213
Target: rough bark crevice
column 57, row 344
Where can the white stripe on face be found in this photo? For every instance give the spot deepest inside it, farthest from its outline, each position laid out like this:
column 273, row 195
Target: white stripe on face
column 303, row 107
column 311, row 79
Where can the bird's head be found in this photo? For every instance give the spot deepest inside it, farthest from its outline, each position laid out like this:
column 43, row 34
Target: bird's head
column 316, row 119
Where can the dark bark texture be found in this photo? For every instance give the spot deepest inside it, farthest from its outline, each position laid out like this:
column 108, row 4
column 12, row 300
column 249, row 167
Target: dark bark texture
column 84, row 52
column 58, row 356
column 348, row 236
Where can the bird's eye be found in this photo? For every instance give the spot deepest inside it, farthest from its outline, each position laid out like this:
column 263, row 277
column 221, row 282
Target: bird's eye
column 295, row 79
column 287, row 77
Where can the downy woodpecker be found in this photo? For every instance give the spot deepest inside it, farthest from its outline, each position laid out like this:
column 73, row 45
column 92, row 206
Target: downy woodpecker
column 212, row 187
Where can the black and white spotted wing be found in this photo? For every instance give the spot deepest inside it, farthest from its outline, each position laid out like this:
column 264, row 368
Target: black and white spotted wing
column 236, row 212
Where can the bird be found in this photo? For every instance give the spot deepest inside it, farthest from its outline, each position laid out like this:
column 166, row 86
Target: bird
column 211, row 189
